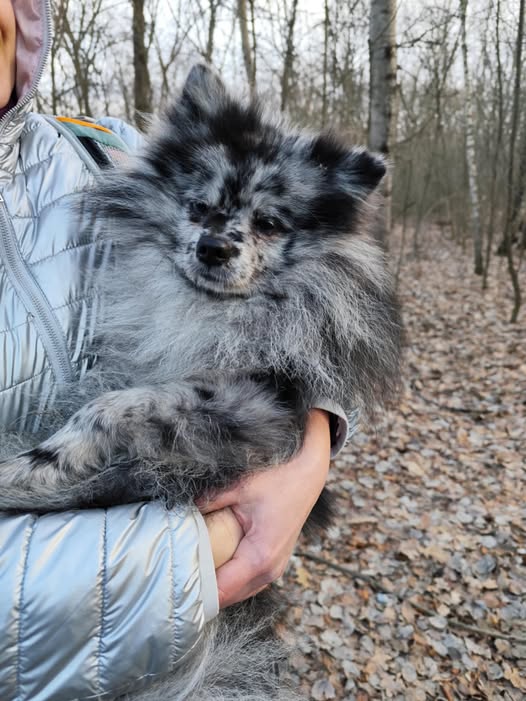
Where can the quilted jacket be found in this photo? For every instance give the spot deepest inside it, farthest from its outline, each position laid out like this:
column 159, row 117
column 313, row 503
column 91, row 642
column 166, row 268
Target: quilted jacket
column 92, row 603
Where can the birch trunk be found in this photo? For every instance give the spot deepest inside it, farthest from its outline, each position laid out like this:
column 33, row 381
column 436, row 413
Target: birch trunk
column 499, row 112
column 471, row 159
column 382, row 61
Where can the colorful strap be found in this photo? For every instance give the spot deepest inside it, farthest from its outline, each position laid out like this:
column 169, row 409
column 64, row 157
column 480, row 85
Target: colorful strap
column 105, row 147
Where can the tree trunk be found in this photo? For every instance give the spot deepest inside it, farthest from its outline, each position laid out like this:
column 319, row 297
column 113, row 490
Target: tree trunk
column 250, row 66
column 508, row 228
column 471, row 158
column 383, row 66
column 142, row 85
column 324, row 98
column 498, row 147
column 211, row 31
column 288, row 63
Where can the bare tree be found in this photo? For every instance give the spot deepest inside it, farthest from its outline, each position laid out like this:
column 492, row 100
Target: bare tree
column 326, row 32
column 81, row 40
column 471, row 156
column 211, row 31
column 288, row 63
column 499, row 115
column 511, row 165
column 142, row 86
column 247, row 47
column 382, row 61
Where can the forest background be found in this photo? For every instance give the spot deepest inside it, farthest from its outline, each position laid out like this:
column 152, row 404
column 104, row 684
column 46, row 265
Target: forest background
column 437, row 85
column 419, row 590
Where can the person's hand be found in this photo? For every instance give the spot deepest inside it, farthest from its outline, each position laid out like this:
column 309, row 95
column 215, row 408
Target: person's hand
column 271, row 508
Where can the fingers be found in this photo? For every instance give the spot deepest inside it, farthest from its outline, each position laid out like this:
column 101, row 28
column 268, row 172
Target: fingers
column 225, row 534
column 228, row 582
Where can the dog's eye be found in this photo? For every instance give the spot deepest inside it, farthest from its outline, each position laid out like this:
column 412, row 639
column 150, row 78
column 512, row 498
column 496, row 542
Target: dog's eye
column 265, row 224
column 198, row 209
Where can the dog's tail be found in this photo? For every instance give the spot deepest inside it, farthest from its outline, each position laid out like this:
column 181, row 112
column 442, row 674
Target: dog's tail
column 240, row 658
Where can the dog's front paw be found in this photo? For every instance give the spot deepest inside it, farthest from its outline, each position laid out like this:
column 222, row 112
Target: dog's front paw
column 244, row 424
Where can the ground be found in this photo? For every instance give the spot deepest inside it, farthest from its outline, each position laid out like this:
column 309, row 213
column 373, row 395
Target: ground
column 431, row 522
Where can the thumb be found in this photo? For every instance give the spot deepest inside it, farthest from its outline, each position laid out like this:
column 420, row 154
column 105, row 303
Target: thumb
column 229, row 577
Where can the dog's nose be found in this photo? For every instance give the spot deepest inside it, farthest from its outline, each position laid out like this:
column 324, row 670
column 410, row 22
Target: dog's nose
column 214, row 251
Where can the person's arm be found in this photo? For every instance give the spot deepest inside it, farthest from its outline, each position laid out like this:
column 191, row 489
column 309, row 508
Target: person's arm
column 132, row 137
column 94, row 600
column 271, row 508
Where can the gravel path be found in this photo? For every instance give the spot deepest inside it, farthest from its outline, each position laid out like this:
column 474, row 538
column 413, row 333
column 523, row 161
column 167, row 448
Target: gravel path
column 431, row 521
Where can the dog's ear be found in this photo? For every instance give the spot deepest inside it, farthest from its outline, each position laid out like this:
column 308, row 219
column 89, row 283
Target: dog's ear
column 365, row 170
column 202, row 93
column 354, row 169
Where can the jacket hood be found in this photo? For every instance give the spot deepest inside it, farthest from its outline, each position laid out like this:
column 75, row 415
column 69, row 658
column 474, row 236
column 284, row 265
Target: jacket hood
column 33, row 45
column 33, row 42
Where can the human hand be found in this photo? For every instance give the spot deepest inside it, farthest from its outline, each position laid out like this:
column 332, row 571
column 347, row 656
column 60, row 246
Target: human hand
column 271, row 508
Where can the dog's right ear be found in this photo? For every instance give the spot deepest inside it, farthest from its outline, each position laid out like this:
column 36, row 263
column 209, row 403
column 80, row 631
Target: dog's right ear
column 357, row 170
column 202, row 94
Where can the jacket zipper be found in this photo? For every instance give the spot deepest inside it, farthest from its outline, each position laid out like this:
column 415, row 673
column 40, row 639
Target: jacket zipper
column 34, row 300
column 18, row 272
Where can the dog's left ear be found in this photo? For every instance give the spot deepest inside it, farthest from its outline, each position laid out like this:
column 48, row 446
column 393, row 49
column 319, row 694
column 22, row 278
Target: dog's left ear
column 203, row 90
column 202, row 94
column 355, row 169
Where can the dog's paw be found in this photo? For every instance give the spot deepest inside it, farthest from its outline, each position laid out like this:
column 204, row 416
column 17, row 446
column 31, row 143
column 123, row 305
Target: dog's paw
column 246, row 423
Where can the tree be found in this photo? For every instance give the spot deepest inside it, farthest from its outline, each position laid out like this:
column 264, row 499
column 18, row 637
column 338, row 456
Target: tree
column 288, row 63
column 142, row 85
column 249, row 50
column 471, row 156
column 508, row 233
column 498, row 110
column 383, row 66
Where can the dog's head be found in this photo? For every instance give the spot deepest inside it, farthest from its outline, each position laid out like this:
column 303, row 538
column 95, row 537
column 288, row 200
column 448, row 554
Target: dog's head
column 244, row 196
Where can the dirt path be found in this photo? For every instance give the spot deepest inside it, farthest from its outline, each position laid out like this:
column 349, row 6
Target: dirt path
column 431, row 511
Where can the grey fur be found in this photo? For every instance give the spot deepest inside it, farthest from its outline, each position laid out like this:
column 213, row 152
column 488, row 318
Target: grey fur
column 207, row 370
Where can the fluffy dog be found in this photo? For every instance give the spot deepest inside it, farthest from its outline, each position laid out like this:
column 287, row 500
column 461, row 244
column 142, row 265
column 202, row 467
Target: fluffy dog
column 243, row 289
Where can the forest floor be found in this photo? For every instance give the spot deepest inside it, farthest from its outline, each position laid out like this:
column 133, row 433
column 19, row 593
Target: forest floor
column 431, row 525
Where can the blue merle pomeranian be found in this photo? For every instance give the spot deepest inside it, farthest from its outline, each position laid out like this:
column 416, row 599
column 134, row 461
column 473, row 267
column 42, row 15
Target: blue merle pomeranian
column 244, row 287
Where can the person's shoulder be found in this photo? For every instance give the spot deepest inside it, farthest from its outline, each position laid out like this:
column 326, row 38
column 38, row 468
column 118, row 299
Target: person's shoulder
column 131, row 136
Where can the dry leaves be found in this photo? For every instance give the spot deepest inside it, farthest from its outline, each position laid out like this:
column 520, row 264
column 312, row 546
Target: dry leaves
column 431, row 514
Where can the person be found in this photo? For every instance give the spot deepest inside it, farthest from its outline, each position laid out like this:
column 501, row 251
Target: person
column 98, row 600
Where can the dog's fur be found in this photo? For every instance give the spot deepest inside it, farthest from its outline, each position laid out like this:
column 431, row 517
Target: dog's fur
column 244, row 289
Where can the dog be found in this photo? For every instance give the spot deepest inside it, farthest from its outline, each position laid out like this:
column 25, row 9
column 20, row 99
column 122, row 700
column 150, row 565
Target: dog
column 244, row 287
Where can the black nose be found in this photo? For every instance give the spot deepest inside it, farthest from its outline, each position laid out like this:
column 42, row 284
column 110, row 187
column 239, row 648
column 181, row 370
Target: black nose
column 214, row 251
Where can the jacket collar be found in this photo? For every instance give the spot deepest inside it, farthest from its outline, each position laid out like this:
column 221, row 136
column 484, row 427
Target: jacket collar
column 33, row 45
